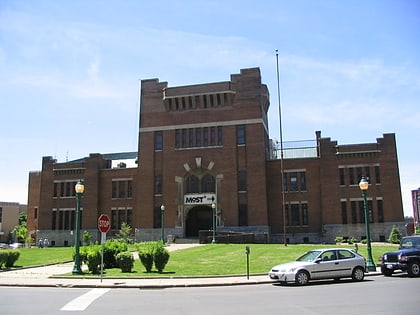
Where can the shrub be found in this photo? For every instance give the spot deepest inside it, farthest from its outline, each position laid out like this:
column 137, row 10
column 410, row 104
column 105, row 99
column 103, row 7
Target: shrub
column 339, row 239
column 125, row 261
column 93, row 259
column 9, row 257
column 111, row 250
column 352, row 240
column 394, row 236
column 3, row 257
column 146, row 250
column 160, row 257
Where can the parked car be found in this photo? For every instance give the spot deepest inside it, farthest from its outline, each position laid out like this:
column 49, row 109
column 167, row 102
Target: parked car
column 406, row 258
column 327, row 263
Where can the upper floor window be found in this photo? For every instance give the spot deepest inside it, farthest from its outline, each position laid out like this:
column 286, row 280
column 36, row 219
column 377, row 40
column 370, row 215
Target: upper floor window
column 240, row 134
column 122, row 188
column 158, row 140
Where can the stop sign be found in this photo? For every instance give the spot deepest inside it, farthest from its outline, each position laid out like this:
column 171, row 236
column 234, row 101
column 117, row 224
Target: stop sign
column 103, row 223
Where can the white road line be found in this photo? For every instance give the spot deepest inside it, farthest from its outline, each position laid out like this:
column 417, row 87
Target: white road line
column 82, row 302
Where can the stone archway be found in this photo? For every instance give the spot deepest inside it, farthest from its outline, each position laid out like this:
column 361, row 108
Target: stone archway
column 199, row 218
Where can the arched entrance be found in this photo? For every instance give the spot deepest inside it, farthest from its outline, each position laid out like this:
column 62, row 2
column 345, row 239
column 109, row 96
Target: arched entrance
column 199, row 218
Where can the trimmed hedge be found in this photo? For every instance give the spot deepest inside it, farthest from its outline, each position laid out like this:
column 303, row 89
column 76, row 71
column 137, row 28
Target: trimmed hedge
column 8, row 257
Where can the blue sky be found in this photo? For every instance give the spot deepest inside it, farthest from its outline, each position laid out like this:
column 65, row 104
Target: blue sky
column 70, row 70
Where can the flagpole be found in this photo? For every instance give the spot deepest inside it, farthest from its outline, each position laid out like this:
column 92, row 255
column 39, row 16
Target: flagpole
column 281, row 152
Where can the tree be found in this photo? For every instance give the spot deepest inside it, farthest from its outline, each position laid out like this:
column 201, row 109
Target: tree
column 87, row 238
column 125, row 235
column 395, row 236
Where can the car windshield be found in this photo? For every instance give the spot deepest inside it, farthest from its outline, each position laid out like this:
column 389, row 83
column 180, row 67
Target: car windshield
column 309, row 256
column 410, row 242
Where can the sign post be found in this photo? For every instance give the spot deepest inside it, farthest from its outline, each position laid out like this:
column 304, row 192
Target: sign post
column 103, row 226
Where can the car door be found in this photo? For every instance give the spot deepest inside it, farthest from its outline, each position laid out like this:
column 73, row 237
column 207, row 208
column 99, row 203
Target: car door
column 346, row 262
column 327, row 267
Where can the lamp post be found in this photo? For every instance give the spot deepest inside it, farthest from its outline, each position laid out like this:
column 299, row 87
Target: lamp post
column 213, row 207
column 162, row 220
column 79, row 188
column 364, row 185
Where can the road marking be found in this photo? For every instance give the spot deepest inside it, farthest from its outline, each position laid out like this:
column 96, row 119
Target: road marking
column 82, row 302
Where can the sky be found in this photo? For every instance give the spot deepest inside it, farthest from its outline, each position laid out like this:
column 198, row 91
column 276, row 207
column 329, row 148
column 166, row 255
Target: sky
column 70, row 72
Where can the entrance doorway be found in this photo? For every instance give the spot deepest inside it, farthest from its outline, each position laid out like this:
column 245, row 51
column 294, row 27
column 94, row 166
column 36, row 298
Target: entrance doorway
column 199, row 218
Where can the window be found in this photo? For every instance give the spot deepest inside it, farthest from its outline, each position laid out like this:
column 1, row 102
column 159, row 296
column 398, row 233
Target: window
column 243, row 215
column 205, row 136
column 198, row 137
column 305, row 220
column 177, row 139
column 158, row 185
column 302, row 181
column 208, row 184
column 380, row 206
column 158, row 140
column 192, row 185
column 54, row 220
column 35, row 213
column 295, row 214
column 341, row 174
column 286, row 214
column 362, row 212
column 122, row 188
column 377, row 175
column 120, row 216
column 191, row 137
column 285, row 187
column 1, row 214
column 242, row 181
column 293, row 181
column 55, row 190
column 344, row 212
column 240, row 135
column 184, row 138
column 353, row 212
column 212, row 136
column 219, row 135
column 351, row 176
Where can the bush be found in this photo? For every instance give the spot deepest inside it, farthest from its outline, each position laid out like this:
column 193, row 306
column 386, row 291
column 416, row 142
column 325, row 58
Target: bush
column 93, row 259
column 160, row 257
column 153, row 253
column 111, row 250
column 3, row 257
column 339, row 239
column 125, row 261
column 394, row 236
column 12, row 258
column 352, row 240
column 8, row 257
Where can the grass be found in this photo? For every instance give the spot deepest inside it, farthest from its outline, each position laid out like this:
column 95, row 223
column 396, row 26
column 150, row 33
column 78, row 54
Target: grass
column 206, row 260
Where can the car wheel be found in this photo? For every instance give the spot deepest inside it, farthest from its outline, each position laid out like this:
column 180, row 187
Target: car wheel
column 387, row 272
column 358, row 274
column 302, row 277
column 413, row 269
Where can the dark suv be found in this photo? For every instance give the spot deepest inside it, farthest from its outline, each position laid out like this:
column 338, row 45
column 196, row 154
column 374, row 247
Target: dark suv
column 406, row 258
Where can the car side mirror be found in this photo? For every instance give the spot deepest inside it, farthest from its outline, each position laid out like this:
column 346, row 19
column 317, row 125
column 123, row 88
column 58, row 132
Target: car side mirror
column 318, row 260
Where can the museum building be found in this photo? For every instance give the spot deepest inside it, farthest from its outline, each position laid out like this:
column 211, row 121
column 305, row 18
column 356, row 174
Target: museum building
column 205, row 159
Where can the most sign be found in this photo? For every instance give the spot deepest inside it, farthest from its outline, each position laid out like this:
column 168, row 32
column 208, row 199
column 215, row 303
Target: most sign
column 199, row 199
column 103, row 223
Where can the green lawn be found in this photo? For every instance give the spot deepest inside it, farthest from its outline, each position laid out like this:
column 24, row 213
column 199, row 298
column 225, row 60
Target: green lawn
column 211, row 259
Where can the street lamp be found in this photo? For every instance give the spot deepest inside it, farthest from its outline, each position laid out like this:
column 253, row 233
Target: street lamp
column 213, row 207
column 162, row 220
column 79, row 188
column 364, row 185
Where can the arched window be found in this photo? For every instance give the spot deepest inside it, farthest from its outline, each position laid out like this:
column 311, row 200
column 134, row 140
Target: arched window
column 208, row 184
column 192, row 185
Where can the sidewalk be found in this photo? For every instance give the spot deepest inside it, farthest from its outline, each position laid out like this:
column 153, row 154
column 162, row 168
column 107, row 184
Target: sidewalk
column 49, row 276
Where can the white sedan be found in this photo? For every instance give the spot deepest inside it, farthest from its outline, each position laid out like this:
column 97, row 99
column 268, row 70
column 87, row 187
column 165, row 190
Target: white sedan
column 328, row 263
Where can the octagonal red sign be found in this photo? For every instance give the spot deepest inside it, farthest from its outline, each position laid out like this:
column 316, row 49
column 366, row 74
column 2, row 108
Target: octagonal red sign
column 104, row 224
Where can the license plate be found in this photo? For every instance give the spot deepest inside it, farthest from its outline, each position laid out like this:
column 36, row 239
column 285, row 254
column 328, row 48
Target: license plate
column 389, row 266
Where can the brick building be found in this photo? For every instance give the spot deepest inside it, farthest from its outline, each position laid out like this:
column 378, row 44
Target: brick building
column 205, row 149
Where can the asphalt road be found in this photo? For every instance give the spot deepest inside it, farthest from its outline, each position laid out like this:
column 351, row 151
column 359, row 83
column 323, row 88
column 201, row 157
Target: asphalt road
column 375, row 295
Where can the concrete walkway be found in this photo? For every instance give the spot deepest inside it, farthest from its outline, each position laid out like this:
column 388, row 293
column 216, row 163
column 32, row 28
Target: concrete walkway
column 49, row 276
